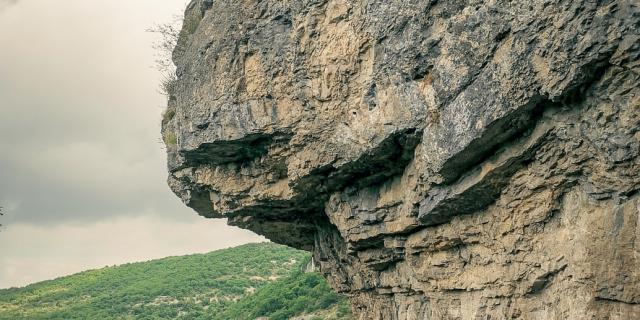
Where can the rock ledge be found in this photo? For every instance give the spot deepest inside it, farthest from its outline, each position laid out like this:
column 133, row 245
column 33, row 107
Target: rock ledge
column 441, row 159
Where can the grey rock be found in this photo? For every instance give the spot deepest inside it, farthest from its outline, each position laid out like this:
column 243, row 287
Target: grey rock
column 441, row 159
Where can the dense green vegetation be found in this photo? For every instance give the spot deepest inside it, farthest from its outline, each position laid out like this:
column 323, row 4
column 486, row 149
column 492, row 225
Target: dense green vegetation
column 246, row 282
column 295, row 295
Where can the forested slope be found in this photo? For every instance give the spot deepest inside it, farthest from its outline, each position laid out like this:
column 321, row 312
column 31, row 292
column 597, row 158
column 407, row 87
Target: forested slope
column 246, row 282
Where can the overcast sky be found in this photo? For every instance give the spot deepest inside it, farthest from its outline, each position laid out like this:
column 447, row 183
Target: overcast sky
column 82, row 169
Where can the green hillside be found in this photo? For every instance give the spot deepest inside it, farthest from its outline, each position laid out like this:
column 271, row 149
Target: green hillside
column 245, row 282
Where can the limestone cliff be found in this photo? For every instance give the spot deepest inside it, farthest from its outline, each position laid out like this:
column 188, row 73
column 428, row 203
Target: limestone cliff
column 441, row 159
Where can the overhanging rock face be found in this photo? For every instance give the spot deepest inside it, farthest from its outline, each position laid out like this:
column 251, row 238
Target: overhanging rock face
column 441, row 159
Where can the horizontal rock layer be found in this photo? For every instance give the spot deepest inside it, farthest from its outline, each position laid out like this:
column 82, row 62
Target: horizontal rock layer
column 441, row 159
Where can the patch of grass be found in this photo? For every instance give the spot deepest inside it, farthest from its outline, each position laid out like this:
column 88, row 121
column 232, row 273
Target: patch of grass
column 168, row 115
column 170, row 139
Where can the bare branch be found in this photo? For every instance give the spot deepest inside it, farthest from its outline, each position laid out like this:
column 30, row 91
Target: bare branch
column 169, row 33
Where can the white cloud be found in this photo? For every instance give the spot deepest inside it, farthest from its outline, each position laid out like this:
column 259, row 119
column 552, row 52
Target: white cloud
column 34, row 253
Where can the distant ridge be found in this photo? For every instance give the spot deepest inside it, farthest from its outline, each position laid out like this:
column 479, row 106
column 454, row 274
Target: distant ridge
column 258, row 280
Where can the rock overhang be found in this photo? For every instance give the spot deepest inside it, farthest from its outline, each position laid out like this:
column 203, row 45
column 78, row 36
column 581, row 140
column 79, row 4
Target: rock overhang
column 350, row 128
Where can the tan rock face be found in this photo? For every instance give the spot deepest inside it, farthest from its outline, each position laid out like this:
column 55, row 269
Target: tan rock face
column 441, row 159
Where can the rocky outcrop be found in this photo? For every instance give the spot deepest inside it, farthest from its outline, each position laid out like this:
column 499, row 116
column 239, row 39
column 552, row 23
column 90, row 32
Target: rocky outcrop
column 441, row 159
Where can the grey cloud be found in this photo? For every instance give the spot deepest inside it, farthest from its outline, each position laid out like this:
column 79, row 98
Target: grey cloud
column 4, row 4
column 80, row 111
column 7, row 2
column 82, row 172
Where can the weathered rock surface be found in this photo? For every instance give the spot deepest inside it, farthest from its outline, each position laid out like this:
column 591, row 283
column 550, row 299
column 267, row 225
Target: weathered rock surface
column 442, row 159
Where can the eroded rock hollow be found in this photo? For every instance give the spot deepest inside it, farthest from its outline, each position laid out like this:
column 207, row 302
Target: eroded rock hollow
column 441, row 159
